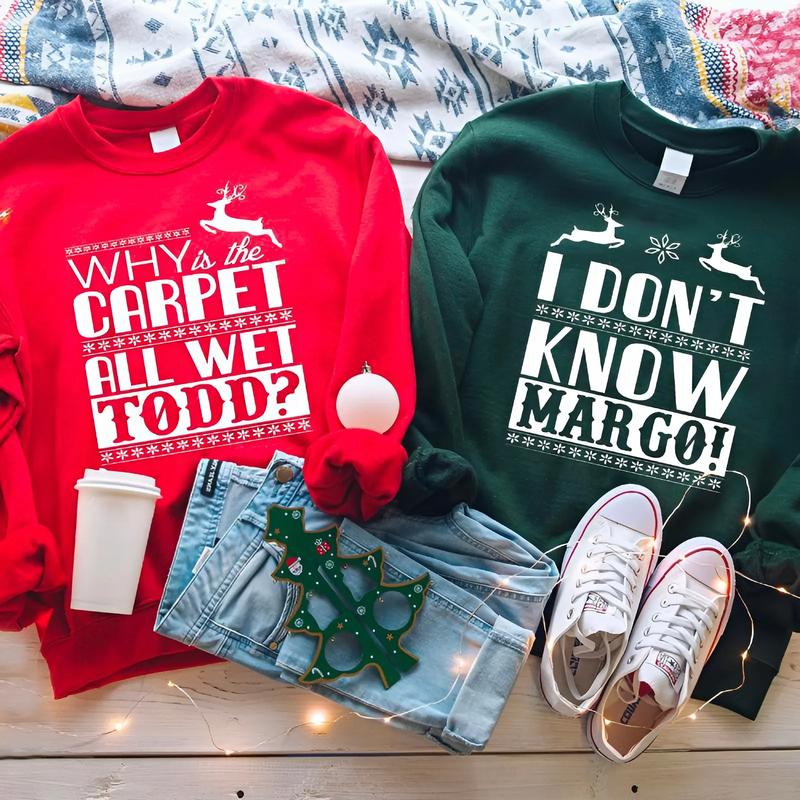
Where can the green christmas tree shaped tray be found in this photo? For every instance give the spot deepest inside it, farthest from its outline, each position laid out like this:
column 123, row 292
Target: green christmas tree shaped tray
column 312, row 562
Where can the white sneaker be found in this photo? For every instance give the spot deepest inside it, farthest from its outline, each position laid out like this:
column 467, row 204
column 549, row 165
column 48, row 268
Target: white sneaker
column 606, row 566
column 684, row 612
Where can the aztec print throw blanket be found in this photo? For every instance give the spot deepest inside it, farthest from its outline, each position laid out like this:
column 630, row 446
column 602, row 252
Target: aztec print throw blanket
column 414, row 71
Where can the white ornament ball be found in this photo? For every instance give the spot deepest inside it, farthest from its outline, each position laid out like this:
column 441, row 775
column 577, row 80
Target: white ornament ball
column 368, row 401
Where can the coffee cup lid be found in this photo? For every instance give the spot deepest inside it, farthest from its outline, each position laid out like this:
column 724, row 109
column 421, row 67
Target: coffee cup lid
column 112, row 480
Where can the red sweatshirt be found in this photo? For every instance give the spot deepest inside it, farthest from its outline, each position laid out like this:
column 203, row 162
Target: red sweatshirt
column 205, row 300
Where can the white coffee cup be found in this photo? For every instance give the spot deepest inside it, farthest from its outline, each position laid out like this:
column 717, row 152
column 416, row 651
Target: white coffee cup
column 115, row 511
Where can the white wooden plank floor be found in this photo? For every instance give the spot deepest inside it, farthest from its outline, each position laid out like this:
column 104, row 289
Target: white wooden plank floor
column 70, row 750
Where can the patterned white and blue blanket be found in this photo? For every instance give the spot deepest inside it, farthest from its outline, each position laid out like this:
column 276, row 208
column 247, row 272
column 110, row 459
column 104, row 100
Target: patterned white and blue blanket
column 414, row 71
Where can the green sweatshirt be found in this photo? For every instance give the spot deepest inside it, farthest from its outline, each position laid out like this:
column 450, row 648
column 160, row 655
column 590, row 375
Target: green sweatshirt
column 577, row 327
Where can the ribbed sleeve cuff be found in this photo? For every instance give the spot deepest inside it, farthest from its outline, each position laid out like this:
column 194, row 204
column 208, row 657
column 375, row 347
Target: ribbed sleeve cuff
column 30, row 573
column 354, row 472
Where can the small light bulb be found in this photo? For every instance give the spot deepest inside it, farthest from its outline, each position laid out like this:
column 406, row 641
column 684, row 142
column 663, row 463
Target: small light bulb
column 504, row 581
column 318, row 718
column 721, row 585
column 744, row 655
column 229, row 752
column 121, row 725
column 170, row 684
column 606, row 722
column 746, row 520
column 693, row 715
column 782, row 589
column 387, row 720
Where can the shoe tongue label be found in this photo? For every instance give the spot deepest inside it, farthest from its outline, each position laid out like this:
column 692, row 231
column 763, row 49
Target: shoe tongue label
column 669, row 665
column 595, row 603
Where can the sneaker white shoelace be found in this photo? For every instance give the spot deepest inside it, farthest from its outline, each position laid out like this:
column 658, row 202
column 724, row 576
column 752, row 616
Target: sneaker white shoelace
column 611, row 571
column 681, row 634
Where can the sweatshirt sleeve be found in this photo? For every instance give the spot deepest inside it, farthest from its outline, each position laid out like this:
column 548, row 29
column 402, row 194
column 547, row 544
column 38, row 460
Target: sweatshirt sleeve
column 354, row 472
column 771, row 555
column 30, row 564
column 446, row 307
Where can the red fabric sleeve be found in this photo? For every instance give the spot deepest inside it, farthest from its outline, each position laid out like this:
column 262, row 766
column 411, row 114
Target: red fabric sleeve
column 30, row 563
column 355, row 472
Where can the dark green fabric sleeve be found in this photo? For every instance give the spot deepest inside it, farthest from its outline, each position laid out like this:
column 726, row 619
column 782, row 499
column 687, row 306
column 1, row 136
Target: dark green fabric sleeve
column 771, row 555
column 446, row 306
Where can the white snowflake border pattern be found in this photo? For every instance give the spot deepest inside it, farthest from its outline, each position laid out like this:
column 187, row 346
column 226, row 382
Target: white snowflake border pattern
column 635, row 466
column 200, row 441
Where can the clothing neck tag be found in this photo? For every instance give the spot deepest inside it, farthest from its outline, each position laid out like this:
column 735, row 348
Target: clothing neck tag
column 675, row 168
column 165, row 139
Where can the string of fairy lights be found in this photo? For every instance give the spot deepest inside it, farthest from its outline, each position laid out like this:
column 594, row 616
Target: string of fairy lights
column 320, row 721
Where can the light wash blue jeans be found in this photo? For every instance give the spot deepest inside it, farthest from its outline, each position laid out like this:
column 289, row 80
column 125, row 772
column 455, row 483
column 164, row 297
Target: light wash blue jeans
column 229, row 604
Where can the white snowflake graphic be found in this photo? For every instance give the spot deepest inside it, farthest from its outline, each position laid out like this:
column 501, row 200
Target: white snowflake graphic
column 104, row 344
column 620, row 327
column 152, row 449
column 652, row 469
column 168, row 447
column 728, row 351
column 106, row 456
column 588, row 319
column 286, row 314
column 149, row 337
column 683, row 477
column 668, row 473
column 575, row 452
column 529, row 441
column 573, row 316
column 715, row 483
column 195, row 330
column 681, row 341
column 119, row 341
column 603, row 323
column 288, row 426
column 227, row 437
column 198, row 441
column 134, row 340
column 182, row 444
column 212, row 439
column 637, row 466
column 304, row 424
column 255, row 319
column 225, row 324
column 164, row 335
column 635, row 330
column 590, row 455
column 744, row 355
column 650, row 334
column 544, row 444
column 88, row 347
column 712, row 347
column 258, row 431
column 665, row 337
column 243, row 434
column 180, row 332
column 606, row 458
column 697, row 344
column 210, row 327
column 541, row 309
column 663, row 249
column 559, row 448
column 270, row 318
column 621, row 463
column 512, row 438
column 240, row 322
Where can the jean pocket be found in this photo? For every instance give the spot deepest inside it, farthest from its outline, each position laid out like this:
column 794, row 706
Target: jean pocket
column 255, row 605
